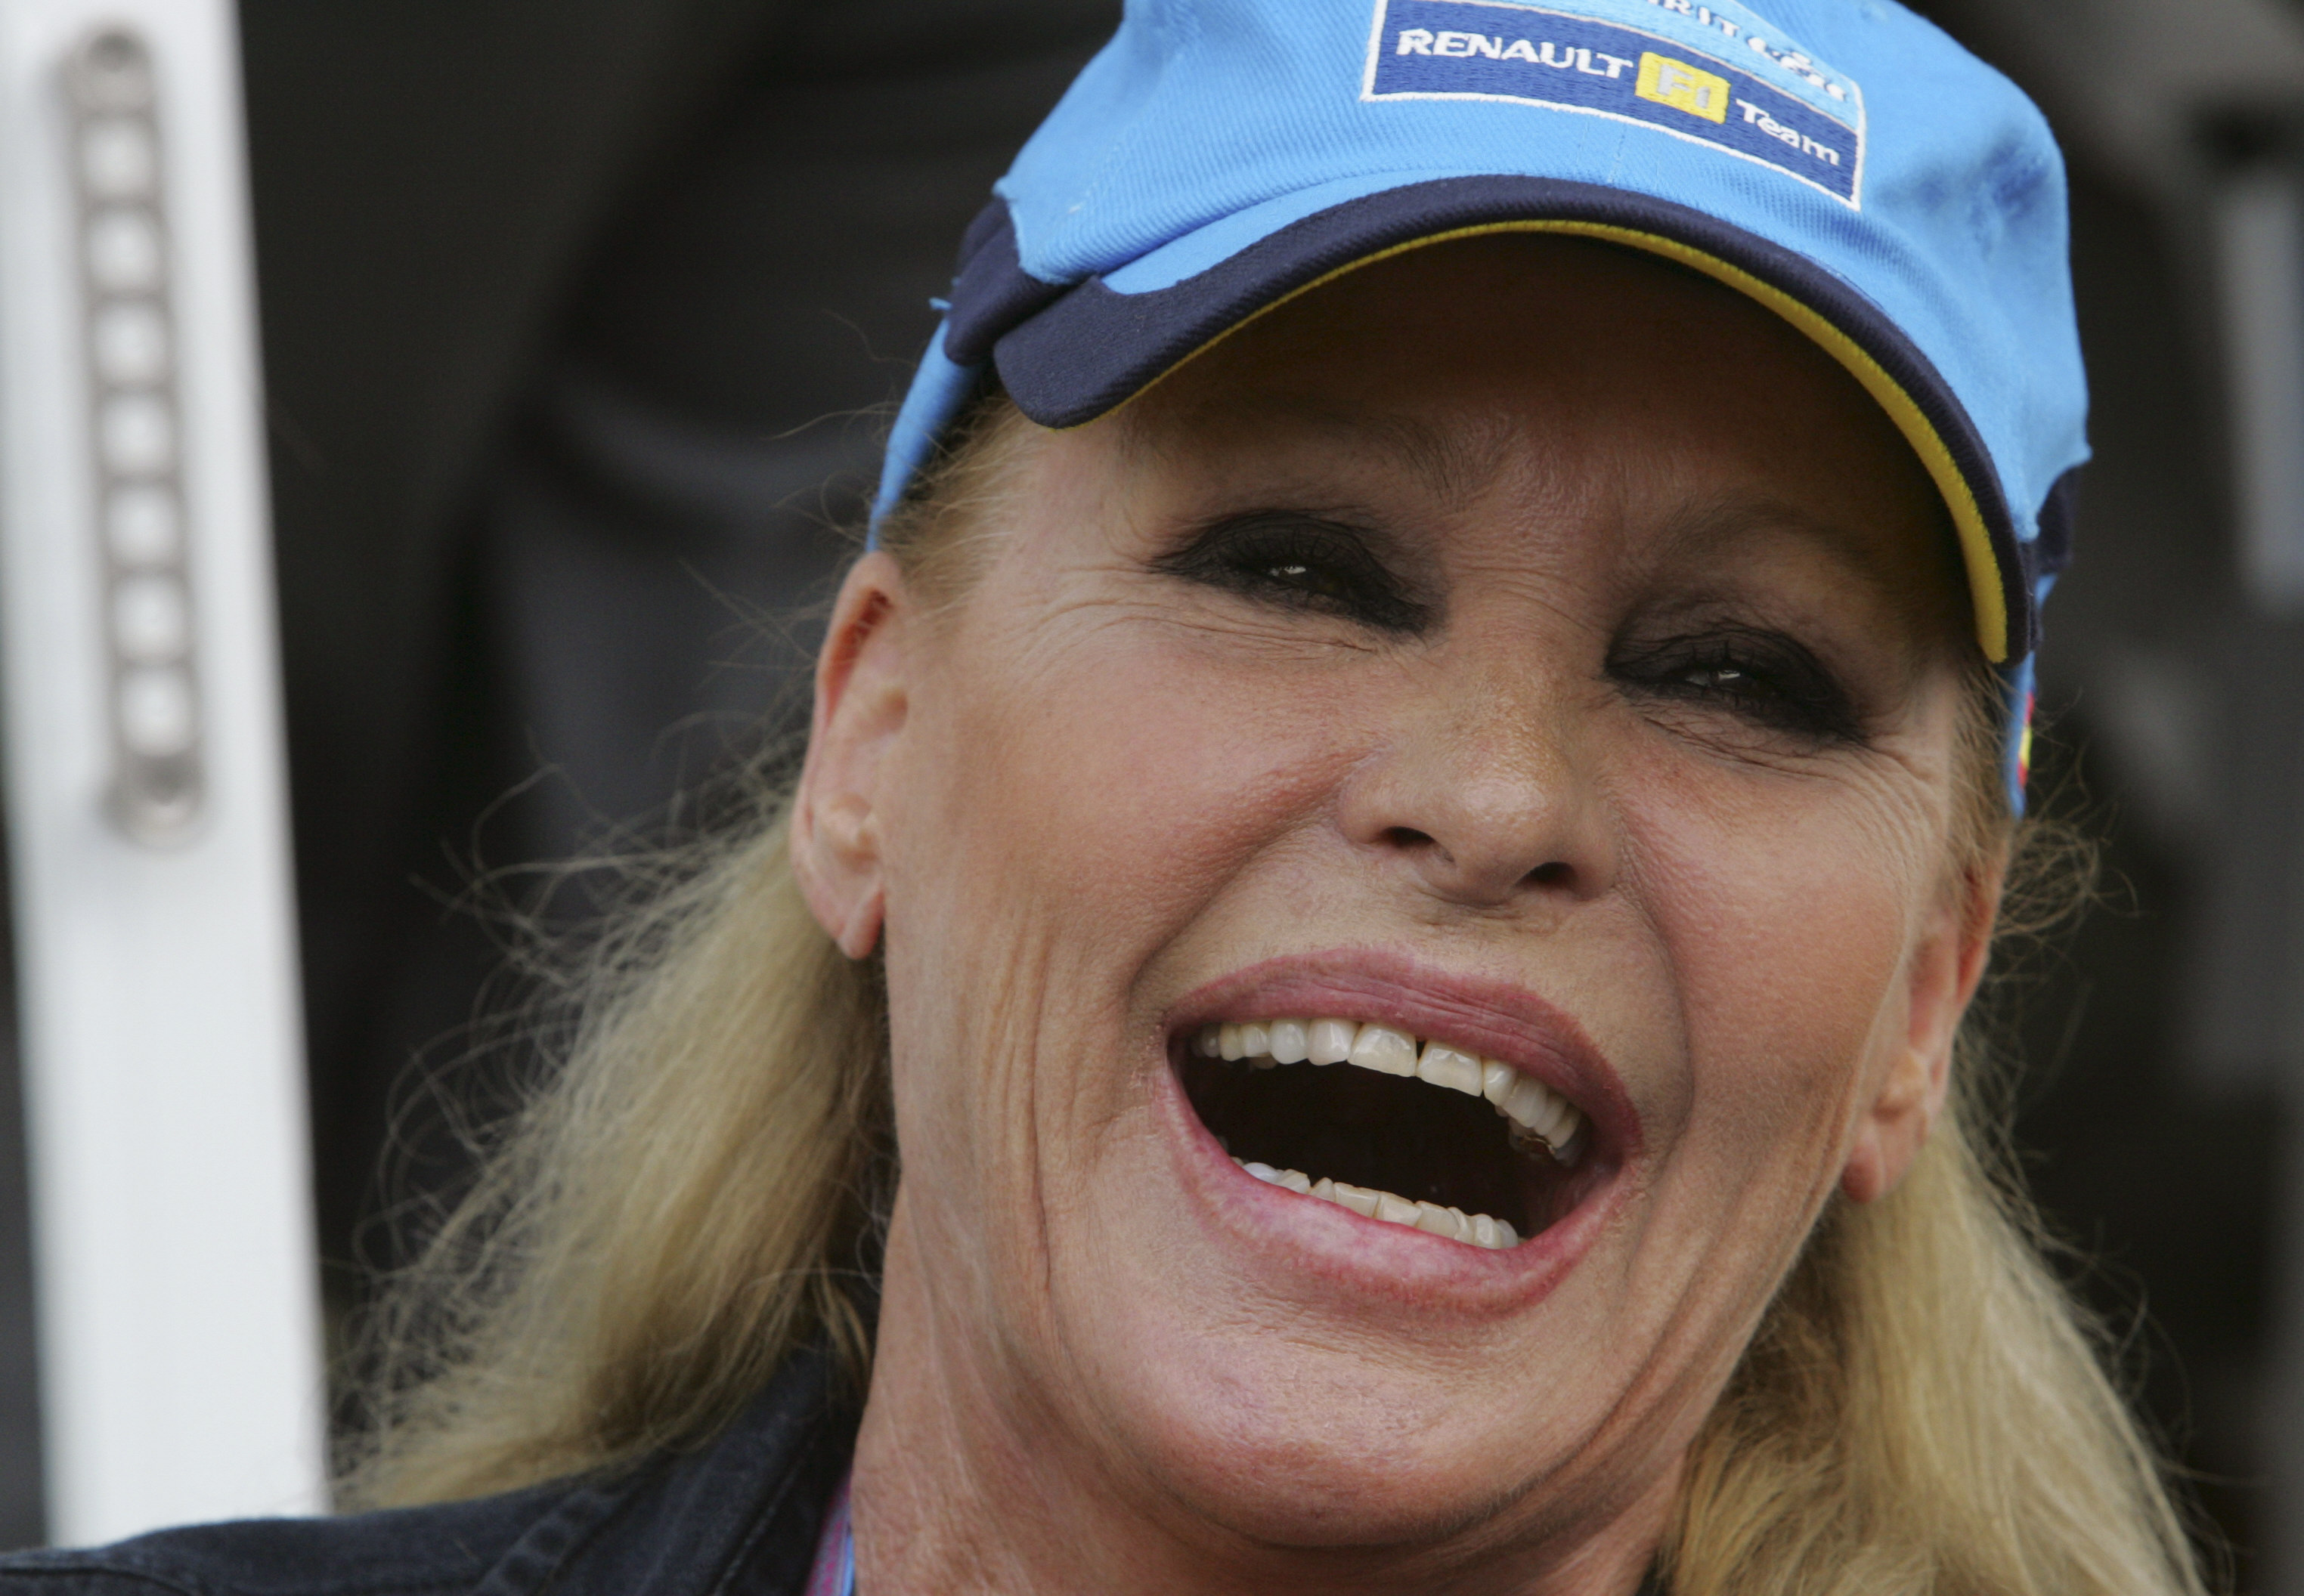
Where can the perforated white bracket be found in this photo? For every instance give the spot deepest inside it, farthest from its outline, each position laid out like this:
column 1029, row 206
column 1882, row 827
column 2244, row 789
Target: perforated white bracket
column 175, row 1286
column 136, row 436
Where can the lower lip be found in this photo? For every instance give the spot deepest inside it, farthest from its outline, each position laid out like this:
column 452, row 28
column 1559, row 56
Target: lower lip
column 1322, row 1241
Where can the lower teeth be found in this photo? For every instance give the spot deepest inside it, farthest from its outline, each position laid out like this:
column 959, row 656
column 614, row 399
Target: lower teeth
column 1474, row 1229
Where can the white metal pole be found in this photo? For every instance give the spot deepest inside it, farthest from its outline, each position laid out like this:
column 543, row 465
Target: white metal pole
column 180, row 1370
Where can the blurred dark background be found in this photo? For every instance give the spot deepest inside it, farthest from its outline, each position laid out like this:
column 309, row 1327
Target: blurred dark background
column 579, row 323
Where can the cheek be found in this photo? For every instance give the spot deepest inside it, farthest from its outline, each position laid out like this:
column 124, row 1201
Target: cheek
column 1075, row 799
column 1787, row 926
column 1099, row 787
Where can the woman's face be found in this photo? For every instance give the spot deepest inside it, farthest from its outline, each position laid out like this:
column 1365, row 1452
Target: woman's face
column 1518, row 645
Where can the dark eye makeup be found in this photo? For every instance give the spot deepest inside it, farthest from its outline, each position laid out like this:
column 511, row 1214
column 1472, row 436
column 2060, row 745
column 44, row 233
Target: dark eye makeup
column 1306, row 561
column 1767, row 677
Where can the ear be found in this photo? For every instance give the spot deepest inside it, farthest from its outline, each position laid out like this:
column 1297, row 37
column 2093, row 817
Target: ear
column 861, row 702
column 1941, row 976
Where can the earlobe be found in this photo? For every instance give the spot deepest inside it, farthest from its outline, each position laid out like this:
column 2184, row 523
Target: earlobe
column 1941, row 978
column 838, row 860
column 862, row 703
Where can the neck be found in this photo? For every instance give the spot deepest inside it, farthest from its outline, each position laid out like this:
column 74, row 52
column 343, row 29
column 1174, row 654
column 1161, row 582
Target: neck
column 965, row 1481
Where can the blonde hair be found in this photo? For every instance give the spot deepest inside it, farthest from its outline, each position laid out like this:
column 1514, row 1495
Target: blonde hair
column 696, row 1195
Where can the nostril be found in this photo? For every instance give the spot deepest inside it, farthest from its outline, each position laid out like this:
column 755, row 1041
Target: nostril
column 1555, row 873
column 1407, row 838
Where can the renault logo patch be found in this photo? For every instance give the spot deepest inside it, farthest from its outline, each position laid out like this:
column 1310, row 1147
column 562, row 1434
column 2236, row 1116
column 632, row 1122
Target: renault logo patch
column 1713, row 76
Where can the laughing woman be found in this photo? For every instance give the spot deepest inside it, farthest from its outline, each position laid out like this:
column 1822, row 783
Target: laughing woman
column 1362, row 990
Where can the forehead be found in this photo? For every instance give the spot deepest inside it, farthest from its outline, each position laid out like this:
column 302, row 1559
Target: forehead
column 1544, row 372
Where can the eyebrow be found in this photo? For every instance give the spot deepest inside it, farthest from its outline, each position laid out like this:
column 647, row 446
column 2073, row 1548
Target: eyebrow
column 1720, row 525
column 1449, row 463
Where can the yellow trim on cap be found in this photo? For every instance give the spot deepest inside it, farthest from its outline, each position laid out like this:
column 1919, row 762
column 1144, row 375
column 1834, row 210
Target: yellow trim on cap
column 1959, row 498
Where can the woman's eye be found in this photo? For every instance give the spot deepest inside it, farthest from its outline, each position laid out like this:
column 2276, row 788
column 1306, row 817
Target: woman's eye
column 1766, row 678
column 1303, row 562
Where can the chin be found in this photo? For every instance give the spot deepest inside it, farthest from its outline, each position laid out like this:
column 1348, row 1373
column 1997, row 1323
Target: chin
column 1344, row 1456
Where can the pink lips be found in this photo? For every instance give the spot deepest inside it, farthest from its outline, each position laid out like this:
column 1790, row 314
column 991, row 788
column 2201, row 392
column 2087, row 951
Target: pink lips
column 1490, row 1017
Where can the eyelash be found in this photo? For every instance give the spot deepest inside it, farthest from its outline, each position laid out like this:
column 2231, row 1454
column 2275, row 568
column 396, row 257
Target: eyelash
column 1303, row 562
column 1765, row 677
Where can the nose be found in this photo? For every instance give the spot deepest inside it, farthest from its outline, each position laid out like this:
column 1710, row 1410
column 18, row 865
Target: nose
column 1482, row 794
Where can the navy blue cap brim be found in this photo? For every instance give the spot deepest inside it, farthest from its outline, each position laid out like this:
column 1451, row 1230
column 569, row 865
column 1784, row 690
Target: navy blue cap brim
column 1068, row 354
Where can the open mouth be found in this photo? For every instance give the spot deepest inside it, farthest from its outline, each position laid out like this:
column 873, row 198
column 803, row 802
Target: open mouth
column 1412, row 1131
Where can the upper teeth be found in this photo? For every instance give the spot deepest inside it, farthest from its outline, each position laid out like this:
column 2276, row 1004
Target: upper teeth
column 1532, row 1106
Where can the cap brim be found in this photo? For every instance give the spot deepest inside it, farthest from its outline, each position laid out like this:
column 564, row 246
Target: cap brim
column 1068, row 355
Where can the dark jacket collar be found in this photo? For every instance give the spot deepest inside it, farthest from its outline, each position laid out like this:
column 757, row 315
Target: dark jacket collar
column 739, row 1514
column 735, row 1517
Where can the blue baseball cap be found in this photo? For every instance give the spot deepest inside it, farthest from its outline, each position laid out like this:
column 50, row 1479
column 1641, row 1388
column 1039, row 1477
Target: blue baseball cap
column 1842, row 161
